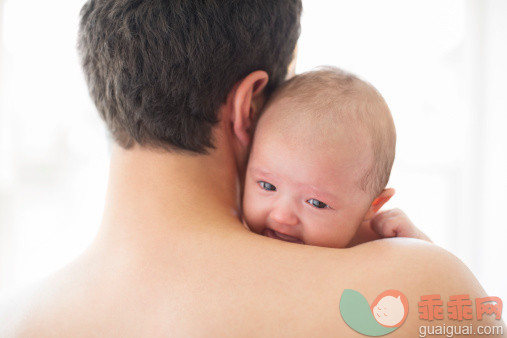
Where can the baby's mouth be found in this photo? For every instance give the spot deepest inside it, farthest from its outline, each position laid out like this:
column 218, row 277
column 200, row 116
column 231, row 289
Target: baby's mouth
column 276, row 235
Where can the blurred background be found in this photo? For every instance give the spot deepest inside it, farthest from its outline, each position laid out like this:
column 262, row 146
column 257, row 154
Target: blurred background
column 441, row 66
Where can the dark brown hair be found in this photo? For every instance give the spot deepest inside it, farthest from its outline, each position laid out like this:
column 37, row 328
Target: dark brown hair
column 158, row 70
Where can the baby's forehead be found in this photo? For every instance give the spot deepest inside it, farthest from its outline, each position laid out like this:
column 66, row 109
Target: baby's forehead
column 323, row 120
column 309, row 133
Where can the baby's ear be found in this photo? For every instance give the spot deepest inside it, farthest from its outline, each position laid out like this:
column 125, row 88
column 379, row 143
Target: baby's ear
column 378, row 202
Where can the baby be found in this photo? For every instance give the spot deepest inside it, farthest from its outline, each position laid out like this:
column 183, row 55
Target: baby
column 320, row 160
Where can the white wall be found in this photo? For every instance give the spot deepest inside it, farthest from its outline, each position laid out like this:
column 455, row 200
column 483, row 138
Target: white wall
column 440, row 65
column 53, row 151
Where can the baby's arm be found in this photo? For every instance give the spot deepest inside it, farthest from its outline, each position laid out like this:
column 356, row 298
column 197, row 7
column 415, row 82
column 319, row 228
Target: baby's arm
column 394, row 223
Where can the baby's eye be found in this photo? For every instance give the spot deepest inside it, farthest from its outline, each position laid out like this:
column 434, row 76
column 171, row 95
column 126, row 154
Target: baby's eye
column 317, row 203
column 267, row 186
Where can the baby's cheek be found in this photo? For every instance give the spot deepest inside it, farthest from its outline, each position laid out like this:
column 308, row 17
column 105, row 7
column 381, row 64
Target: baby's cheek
column 252, row 214
column 334, row 235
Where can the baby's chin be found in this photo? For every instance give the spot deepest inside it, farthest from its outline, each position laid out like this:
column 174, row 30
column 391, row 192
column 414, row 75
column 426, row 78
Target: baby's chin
column 277, row 235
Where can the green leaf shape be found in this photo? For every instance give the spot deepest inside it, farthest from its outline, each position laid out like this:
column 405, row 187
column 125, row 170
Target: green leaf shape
column 356, row 312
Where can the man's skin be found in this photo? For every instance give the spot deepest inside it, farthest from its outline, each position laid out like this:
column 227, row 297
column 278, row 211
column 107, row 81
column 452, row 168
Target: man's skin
column 172, row 258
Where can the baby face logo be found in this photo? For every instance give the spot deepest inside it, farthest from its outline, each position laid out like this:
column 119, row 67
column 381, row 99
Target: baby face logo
column 387, row 312
column 390, row 308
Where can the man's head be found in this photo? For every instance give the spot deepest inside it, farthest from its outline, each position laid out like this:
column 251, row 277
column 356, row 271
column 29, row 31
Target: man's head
column 159, row 70
column 321, row 158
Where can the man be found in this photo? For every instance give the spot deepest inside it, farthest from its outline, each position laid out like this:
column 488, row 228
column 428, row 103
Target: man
column 179, row 85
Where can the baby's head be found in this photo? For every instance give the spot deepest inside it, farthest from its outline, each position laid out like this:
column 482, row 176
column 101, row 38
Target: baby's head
column 320, row 160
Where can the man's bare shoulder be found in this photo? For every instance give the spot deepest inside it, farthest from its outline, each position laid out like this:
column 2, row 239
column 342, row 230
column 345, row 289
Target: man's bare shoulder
column 43, row 309
column 249, row 282
column 415, row 263
column 24, row 312
column 417, row 269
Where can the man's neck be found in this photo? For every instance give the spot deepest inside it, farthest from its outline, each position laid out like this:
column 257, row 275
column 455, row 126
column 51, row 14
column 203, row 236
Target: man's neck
column 157, row 193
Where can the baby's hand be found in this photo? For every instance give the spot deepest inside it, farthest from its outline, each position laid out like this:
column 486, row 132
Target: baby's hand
column 394, row 223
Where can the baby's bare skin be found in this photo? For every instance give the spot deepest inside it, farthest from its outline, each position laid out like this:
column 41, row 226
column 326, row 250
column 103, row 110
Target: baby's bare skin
column 395, row 223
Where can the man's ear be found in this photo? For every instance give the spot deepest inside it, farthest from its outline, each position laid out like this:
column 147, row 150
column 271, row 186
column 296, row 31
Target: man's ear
column 246, row 105
column 378, row 202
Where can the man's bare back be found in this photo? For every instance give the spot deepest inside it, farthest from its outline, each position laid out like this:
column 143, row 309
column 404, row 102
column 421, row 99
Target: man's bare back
column 188, row 273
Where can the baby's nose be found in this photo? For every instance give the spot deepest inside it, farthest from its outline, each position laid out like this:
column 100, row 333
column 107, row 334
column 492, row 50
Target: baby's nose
column 283, row 214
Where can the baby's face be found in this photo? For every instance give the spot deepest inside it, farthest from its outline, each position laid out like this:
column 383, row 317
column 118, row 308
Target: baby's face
column 302, row 179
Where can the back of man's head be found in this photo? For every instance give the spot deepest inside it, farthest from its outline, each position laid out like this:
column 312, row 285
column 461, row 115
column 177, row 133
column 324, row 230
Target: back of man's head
column 158, row 70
